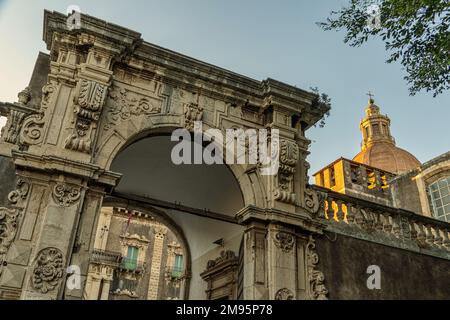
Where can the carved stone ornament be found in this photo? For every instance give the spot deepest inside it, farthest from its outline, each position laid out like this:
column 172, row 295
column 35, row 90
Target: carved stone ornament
column 314, row 200
column 317, row 289
column 88, row 106
column 47, row 93
column 124, row 104
column 8, row 228
column 225, row 255
column 21, row 191
column 192, row 112
column 66, row 195
column 285, row 241
column 289, row 156
column 13, row 125
column 32, row 129
column 48, row 270
column 284, row 294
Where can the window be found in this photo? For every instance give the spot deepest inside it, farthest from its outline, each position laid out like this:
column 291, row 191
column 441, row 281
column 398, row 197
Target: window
column 130, row 262
column 177, row 266
column 332, row 178
column 440, row 198
column 376, row 130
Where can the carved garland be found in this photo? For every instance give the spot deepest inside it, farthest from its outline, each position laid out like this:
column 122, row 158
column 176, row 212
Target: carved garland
column 317, row 289
column 66, row 195
column 124, row 104
column 48, row 270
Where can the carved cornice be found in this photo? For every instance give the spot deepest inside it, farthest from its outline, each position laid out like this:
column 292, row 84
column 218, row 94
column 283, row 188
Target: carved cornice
column 27, row 160
column 186, row 72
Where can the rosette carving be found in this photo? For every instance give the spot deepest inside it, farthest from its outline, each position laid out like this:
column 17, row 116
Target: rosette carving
column 48, row 270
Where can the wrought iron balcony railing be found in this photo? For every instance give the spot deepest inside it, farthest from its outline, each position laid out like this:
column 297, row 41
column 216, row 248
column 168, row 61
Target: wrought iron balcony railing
column 175, row 272
column 106, row 257
column 131, row 265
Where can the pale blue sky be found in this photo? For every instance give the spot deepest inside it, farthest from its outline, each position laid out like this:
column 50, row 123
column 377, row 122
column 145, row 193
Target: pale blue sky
column 259, row 39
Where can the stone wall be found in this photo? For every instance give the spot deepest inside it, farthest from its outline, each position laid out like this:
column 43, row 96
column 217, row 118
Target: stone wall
column 405, row 193
column 404, row 274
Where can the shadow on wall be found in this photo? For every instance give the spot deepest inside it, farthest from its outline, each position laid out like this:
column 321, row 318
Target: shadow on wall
column 149, row 171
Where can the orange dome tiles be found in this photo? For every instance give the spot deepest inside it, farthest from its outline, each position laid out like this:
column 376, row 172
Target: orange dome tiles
column 388, row 157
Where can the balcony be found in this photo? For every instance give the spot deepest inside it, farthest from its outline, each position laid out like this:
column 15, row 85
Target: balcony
column 131, row 265
column 109, row 258
column 175, row 273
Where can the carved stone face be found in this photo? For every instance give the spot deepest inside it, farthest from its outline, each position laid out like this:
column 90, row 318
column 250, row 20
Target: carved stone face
column 82, row 127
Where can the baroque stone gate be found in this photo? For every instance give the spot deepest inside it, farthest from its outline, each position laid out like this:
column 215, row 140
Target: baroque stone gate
column 101, row 89
column 106, row 88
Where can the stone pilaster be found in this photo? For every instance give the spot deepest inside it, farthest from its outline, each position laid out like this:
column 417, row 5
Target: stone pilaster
column 155, row 268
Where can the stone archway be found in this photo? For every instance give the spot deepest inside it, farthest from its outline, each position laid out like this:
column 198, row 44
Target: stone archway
column 107, row 88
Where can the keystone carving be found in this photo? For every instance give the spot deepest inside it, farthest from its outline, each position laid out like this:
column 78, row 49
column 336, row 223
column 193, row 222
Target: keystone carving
column 48, row 270
column 192, row 112
column 66, row 195
column 88, row 106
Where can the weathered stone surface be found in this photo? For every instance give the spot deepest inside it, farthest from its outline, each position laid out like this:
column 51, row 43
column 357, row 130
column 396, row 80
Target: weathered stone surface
column 404, row 275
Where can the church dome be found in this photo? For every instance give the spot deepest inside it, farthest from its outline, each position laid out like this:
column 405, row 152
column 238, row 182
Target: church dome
column 387, row 157
column 378, row 148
